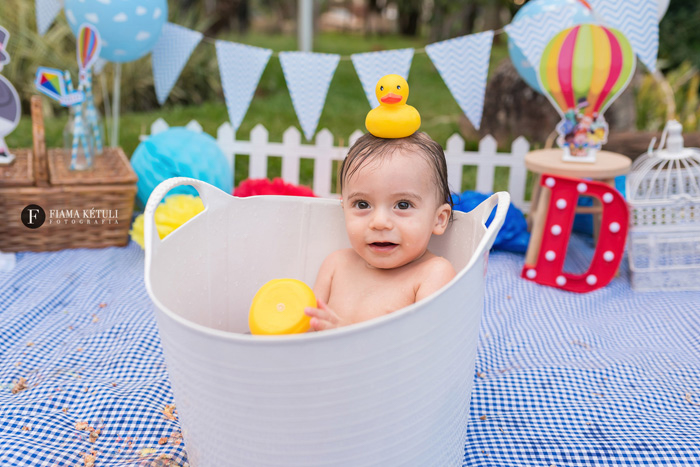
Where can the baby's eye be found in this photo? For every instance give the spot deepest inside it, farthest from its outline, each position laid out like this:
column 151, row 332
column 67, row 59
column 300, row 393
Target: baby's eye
column 381, row 88
column 362, row 204
column 403, row 205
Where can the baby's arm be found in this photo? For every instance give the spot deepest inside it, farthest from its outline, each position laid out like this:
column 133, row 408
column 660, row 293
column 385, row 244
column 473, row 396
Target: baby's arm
column 439, row 272
column 323, row 317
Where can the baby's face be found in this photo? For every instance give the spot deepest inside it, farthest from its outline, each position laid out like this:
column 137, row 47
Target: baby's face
column 391, row 210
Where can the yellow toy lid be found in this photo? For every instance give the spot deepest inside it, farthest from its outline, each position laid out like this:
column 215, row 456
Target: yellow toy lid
column 278, row 308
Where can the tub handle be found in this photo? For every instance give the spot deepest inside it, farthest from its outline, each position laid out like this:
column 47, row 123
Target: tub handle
column 208, row 193
column 502, row 200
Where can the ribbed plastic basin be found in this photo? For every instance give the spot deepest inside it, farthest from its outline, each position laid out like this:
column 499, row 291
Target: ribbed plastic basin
column 390, row 391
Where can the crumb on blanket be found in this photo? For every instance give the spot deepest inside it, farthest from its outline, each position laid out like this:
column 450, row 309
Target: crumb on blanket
column 20, row 385
column 169, row 412
column 89, row 459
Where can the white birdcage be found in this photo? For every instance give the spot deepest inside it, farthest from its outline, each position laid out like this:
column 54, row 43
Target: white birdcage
column 663, row 191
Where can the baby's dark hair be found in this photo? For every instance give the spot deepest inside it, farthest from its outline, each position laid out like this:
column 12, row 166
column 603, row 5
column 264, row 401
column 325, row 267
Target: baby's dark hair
column 371, row 147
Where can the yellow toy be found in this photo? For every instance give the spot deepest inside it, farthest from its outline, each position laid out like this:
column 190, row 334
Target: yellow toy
column 278, row 308
column 393, row 118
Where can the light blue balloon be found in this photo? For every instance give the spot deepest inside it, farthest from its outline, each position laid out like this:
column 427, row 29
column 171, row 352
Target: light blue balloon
column 129, row 28
column 525, row 69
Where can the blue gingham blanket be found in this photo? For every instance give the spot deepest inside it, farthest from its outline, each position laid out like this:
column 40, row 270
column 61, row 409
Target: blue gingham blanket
column 606, row 378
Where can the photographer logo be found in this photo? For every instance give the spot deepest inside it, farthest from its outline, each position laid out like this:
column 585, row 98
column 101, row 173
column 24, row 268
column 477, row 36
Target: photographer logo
column 33, row 216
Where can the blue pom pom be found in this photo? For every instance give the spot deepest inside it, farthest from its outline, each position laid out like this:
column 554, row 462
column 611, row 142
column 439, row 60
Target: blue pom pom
column 513, row 236
column 179, row 152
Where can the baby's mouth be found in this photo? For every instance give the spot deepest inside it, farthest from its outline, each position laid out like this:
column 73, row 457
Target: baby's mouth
column 383, row 246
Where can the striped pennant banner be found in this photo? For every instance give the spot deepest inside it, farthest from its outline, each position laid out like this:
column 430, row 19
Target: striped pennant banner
column 308, row 77
column 533, row 33
column 463, row 63
column 171, row 53
column 240, row 67
column 638, row 21
column 371, row 66
column 46, row 12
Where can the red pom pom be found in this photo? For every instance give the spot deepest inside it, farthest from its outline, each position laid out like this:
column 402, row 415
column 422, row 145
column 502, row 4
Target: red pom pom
column 263, row 186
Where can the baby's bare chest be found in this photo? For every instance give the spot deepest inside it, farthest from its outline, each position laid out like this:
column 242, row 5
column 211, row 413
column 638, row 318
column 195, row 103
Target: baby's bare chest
column 359, row 295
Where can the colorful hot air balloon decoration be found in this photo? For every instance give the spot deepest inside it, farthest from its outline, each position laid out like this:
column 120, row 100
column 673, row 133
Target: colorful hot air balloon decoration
column 582, row 71
column 88, row 51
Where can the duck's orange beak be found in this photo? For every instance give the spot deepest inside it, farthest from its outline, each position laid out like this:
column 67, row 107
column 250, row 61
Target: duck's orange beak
column 391, row 98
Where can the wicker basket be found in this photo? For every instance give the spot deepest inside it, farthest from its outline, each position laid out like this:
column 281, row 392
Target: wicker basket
column 89, row 209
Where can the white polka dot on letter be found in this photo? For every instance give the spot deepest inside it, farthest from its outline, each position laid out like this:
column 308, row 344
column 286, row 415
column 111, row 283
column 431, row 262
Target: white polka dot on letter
column 608, row 197
column 608, row 256
column 549, row 182
column 561, row 281
column 591, row 279
column 550, row 255
column 556, row 229
column 561, row 203
column 531, row 273
column 581, row 187
column 614, row 227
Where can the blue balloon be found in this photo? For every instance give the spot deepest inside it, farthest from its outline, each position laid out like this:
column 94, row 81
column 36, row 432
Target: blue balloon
column 179, row 152
column 129, row 28
column 532, row 8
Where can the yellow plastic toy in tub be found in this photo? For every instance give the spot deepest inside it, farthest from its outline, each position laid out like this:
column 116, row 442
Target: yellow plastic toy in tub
column 278, row 308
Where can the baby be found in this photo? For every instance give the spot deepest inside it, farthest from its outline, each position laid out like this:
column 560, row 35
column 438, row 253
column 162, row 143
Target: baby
column 395, row 196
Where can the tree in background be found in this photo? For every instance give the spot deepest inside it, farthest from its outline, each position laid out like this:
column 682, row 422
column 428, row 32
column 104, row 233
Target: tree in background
column 230, row 15
column 409, row 16
column 680, row 33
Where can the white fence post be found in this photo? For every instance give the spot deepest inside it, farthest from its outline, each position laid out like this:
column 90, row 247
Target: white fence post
column 258, row 152
column 291, row 150
column 291, row 141
column 323, row 163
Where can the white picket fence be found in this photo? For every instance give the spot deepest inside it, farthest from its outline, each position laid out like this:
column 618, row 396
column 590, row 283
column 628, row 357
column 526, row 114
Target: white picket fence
column 323, row 152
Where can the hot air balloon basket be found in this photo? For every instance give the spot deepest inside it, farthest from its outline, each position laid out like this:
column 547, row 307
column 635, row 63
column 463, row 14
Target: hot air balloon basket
column 44, row 206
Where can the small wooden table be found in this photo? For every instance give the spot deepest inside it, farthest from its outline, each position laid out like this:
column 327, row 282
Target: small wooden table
column 607, row 166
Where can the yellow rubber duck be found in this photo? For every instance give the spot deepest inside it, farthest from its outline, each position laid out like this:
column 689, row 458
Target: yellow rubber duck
column 393, row 118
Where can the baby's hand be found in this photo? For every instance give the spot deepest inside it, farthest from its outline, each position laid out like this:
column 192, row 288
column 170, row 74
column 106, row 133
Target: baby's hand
column 323, row 318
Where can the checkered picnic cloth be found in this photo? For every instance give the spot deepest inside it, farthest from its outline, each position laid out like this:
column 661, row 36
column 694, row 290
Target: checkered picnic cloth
column 606, row 378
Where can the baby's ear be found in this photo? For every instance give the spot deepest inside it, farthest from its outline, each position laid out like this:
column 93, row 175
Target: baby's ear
column 442, row 218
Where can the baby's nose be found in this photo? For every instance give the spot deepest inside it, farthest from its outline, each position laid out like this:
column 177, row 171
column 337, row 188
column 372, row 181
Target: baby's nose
column 380, row 220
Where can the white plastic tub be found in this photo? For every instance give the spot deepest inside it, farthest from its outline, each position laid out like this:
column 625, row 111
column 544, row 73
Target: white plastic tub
column 391, row 391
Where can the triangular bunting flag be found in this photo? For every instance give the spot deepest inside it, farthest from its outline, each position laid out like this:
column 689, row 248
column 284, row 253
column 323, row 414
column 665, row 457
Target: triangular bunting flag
column 371, row 66
column 241, row 67
column 308, row 76
column 46, row 12
column 171, row 53
column 463, row 63
column 637, row 20
column 532, row 33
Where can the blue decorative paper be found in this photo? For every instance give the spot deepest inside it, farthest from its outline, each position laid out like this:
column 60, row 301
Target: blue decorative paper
column 638, row 21
column 308, row 76
column 241, row 67
column 531, row 34
column 46, row 12
column 463, row 63
column 371, row 66
column 170, row 55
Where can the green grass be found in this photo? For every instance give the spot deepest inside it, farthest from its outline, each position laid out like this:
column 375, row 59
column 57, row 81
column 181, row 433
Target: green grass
column 344, row 111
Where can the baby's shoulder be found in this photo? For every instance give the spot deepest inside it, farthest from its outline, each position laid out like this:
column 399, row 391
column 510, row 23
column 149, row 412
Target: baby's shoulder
column 437, row 265
column 341, row 257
